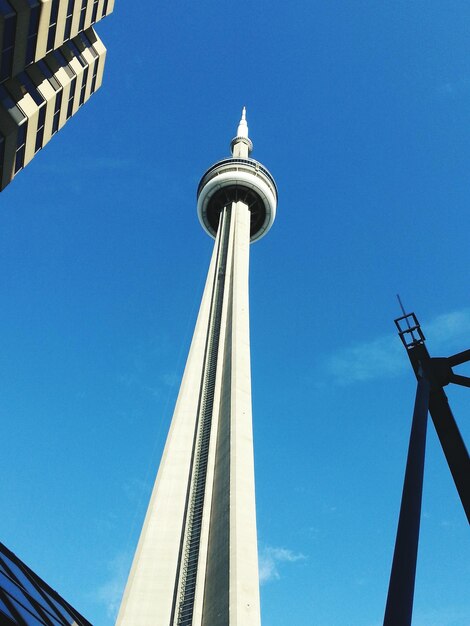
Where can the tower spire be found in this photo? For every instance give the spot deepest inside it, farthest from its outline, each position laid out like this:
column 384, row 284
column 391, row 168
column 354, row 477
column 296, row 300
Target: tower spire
column 241, row 144
column 243, row 125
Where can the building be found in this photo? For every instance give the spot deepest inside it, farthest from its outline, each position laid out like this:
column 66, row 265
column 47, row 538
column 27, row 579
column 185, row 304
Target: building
column 196, row 561
column 25, row 599
column 51, row 62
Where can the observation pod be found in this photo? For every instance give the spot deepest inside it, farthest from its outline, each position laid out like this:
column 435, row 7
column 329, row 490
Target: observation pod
column 239, row 178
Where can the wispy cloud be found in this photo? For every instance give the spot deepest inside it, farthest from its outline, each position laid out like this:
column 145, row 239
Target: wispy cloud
column 449, row 330
column 110, row 592
column 271, row 558
column 136, row 380
column 445, row 616
column 135, row 489
column 454, row 87
column 171, row 379
column 384, row 357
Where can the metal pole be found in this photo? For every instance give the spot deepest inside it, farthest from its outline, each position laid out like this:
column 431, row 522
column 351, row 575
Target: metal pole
column 399, row 608
column 452, row 445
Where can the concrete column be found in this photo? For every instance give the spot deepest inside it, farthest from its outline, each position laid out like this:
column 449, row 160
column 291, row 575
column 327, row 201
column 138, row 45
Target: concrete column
column 244, row 577
column 196, row 562
column 149, row 594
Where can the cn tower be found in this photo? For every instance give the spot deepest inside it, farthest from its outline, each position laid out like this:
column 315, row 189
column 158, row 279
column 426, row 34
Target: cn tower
column 196, row 562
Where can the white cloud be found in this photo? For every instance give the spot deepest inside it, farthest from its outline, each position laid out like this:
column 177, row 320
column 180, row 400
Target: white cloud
column 445, row 616
column 136, row 490
column 110, row 592
column 170, row 379
column 454, row 88
column 449, row 331
column 385, row 357
column 135, row 380
column 380, row 358
column 270, row 559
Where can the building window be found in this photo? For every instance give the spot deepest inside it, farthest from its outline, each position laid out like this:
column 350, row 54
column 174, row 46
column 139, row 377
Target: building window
column 5, row 610
column 9, row 28
column 55, row 123
column 32, row 31
column 83, row 14
column 19, row 158
column 18, row 578
column 28, row 599
column 19, row 600
column 27, row 591
column 33, row 18
column 56, row 118
column 93, row 78
column 95, row 11
column 83, row 89
column 73, row 86
column 69, row 618
column 68, row 22
column 52, row 25
column 40, row 130
column 2, row 157
column 54, row 11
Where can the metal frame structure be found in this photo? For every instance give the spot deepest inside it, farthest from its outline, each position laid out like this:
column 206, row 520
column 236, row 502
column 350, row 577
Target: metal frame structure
column 432, row 374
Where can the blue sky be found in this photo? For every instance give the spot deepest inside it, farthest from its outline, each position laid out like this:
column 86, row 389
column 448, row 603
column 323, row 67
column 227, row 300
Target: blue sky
column 361, row 110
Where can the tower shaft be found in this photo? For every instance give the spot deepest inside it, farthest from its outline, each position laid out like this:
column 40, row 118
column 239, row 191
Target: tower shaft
column 196, row 562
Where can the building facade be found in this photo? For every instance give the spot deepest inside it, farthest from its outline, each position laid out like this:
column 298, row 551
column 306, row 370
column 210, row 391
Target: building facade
column 51, row 62
column 26, row 600
column 196, row 562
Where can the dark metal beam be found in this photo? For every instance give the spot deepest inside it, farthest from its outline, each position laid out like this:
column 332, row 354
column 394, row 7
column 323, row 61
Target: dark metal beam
column 457, row 379
column 452, row 445
column 461, row 357
column 399, row 608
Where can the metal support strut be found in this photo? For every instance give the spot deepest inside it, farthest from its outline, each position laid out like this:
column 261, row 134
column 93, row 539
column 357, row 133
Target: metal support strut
column 402, row 580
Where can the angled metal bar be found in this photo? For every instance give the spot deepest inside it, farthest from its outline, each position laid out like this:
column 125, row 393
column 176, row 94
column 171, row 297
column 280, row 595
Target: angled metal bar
column 457, row 379
column 458, row 359
column 452, row 445
column 399, row 607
